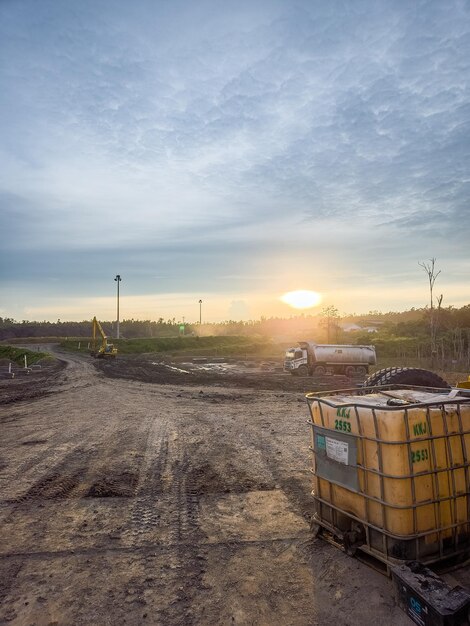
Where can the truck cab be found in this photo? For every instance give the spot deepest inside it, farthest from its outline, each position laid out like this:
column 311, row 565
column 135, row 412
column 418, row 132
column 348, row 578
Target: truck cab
column 294, row 359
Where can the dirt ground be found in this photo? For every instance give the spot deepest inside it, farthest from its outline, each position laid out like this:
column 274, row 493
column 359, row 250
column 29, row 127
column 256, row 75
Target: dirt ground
column 252, row 374
column 181, row 500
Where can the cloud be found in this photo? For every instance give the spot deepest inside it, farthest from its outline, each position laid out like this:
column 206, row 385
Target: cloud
column 238, row 310
column 202, row 139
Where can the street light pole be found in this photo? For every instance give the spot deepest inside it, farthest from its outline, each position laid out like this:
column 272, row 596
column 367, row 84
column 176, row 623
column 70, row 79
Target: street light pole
column 118, row 280
column 200, row 312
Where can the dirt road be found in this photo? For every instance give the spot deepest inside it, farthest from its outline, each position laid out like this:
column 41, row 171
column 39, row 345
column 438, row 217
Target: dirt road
column 124, row 502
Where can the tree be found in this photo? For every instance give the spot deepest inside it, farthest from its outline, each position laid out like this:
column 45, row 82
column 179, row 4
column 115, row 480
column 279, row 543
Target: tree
column 434, row 311
column 330, row 321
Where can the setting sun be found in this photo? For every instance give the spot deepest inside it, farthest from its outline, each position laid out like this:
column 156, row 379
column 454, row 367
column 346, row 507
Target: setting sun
column 302, row 299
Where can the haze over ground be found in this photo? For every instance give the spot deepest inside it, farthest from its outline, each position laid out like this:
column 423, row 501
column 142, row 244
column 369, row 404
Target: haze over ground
column 231, row 151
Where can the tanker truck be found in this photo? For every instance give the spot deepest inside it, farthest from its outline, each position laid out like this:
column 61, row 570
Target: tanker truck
column 313, row 358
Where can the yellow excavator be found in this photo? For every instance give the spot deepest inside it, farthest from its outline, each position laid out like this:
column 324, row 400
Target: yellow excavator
column 106, row 349
column 464, row 384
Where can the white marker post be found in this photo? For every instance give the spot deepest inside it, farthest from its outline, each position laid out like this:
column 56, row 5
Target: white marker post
column 9, row 368
column 25, row 362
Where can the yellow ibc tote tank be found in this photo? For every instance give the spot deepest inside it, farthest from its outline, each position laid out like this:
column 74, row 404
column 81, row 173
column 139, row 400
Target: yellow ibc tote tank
column 391, row 471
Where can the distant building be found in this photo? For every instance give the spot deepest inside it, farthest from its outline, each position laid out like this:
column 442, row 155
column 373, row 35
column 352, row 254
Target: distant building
column 355, row 328
column 351, row 328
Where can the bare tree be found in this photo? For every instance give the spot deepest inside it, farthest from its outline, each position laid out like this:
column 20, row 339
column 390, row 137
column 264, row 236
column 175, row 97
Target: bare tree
column 434, row 310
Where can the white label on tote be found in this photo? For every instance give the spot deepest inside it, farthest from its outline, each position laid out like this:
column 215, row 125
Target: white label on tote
column 337, row 450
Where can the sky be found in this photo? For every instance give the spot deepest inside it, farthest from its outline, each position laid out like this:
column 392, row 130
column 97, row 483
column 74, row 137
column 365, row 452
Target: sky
column 231, row 152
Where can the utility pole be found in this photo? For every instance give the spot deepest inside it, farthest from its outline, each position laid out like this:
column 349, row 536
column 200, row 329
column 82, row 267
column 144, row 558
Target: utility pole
column 118, row 280
column 200, row 312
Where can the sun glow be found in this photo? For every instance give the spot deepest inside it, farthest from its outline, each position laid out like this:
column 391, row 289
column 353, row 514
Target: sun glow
column 302, row 299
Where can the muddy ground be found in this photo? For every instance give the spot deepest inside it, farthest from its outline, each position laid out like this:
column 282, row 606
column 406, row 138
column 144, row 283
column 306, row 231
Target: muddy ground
column 253, row 374
column 183, row 500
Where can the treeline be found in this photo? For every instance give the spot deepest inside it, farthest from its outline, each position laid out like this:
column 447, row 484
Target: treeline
column 447, row 317
column 398, row 333
column 130, row 329
column 300, row 326
column 409, row 340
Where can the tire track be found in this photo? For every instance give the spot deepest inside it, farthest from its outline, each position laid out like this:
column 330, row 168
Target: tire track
column 188, row 561
column 150, row 497
column 64, row 480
